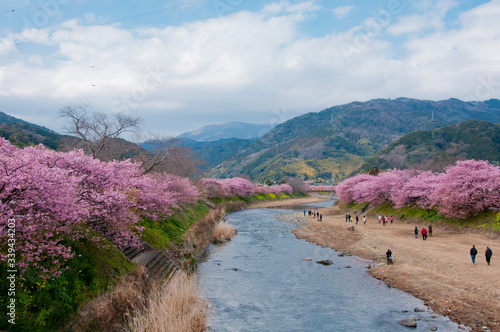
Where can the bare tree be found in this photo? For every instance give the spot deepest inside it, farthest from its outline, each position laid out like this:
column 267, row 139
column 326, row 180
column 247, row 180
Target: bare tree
column 297, row 184
column 169, row 156
column 97, row 130
column 100, row 137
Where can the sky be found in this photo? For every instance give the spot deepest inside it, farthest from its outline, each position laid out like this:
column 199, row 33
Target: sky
column 182, row 64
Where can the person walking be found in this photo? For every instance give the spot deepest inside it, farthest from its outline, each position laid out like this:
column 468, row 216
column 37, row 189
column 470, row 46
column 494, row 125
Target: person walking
column 357, row 219
column 364, row 220
column 389, row 257
column 430, row 230
column 473, row 253
column 488, row 255
column 379, row 219
column 416, row 232
column 392, row 219
column 424, row 233
column 304, row 213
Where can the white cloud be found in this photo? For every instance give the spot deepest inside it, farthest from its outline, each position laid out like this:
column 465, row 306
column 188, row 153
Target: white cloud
column 341, row 12
column 411, row 24
column 431, row 16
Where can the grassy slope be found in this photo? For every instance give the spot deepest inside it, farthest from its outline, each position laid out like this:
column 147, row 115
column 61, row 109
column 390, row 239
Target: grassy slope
column 163, row 233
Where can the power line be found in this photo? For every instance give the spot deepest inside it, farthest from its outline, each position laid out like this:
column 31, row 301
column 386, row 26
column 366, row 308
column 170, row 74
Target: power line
column 152, row 12
column 121, row 19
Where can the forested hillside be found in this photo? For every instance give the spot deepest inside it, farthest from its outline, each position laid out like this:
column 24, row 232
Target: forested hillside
column 435, row 149
column 335, row 142
column 22, row 133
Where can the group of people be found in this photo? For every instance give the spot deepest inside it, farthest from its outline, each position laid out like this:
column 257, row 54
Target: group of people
column 314, row 214
column 348, row 218
column 424, row 232
column 384, row 220
column 473, row 252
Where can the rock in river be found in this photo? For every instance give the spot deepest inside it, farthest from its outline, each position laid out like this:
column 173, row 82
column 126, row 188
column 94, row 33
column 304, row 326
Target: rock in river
column 408, row 322
column 325, row 262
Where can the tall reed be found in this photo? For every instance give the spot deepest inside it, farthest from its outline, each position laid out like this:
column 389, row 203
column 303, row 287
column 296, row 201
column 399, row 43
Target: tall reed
column 223, row 232
column 174, row 307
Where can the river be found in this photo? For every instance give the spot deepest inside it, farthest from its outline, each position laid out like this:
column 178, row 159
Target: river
column 260, row 282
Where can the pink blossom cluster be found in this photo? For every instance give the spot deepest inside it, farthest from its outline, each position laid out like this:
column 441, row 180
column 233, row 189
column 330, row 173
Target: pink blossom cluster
column 55, row 196
column 216, row 188
column 282, row 188
column 465, row 189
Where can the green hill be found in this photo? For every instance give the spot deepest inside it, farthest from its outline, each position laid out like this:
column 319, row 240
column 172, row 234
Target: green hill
column 435, row 149
column 22, row 133
column 345, row 136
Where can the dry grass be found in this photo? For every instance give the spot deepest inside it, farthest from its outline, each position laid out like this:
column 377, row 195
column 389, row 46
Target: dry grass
column 175, row 307
column 236, row 206
column 107, row 312
column 223, row 232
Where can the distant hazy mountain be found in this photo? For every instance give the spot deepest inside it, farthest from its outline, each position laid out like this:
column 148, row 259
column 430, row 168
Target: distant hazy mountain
column 228, row 130
column 435, row 149
column 335, row 142
column 215, row 152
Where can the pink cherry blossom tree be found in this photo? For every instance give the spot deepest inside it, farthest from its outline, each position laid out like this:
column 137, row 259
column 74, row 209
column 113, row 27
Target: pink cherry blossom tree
column 418, row 191
column 54, row 196
column 346, row 189
column 468, row 188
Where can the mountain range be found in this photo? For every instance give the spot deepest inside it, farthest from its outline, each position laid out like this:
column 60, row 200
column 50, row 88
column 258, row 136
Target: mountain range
column 227, row 130
column 337, row 142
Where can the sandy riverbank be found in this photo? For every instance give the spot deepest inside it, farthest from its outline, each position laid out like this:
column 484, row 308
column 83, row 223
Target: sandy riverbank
column 438, row 270
column 287, row 203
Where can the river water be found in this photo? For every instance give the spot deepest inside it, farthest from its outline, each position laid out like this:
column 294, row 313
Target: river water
column 260, row 282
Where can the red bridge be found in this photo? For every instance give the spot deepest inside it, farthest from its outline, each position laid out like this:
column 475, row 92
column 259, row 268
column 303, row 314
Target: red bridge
column 320, row 188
